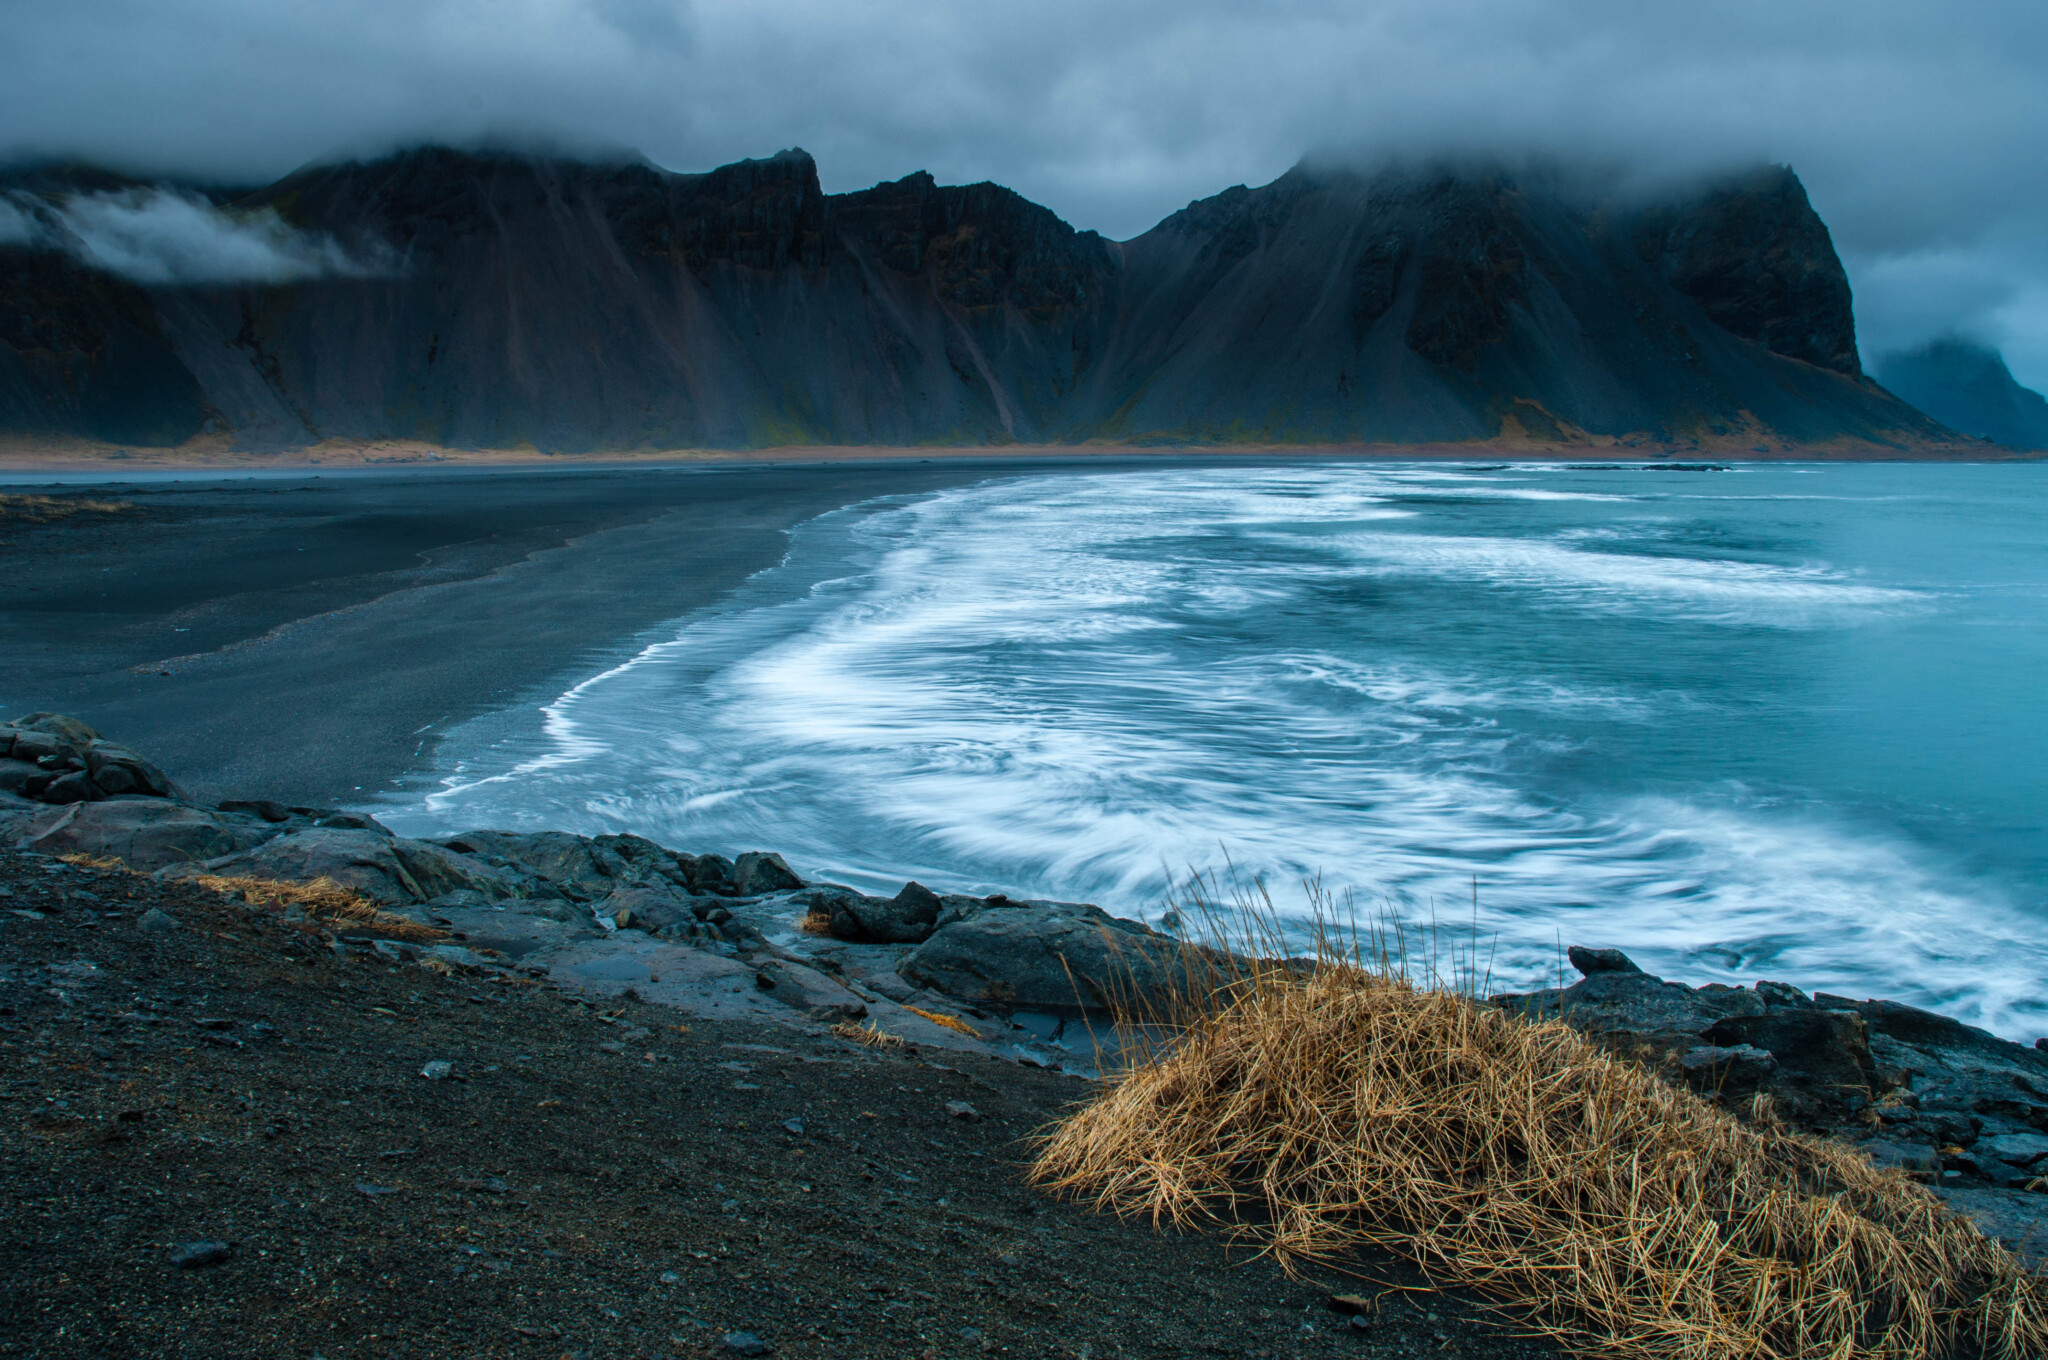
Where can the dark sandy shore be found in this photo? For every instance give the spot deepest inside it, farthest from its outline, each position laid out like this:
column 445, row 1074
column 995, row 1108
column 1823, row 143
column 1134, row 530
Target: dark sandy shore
column 307, row 638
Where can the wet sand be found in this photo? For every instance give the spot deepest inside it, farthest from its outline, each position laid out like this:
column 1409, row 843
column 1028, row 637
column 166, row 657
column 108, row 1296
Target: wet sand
column 306, row 638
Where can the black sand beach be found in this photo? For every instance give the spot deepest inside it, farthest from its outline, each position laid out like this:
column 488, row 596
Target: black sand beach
column 308, row 636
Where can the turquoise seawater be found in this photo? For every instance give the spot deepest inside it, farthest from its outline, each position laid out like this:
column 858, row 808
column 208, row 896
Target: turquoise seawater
column 1775, row 721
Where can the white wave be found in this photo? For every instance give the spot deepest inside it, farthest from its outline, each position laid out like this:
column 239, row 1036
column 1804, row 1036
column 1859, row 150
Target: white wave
column 1087, row 686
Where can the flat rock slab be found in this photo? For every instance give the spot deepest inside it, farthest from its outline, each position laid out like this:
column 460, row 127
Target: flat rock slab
column 2017, row 1218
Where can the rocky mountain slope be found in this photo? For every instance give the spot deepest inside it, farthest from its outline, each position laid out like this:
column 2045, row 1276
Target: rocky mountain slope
column 1968, row 387
column 512, row 299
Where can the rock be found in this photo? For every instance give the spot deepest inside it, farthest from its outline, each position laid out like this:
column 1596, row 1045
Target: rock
column 116, row 769
column 145, row 833
column 795, row 1126
column 707, row 874
column 261, row 808
column 1055, row 956
column 2014, row 1217
column 1591, row 961
column 2016, row 1149
column 1823, row 1056
column 745, row 1343
column 194, row 1255
column 816, row 994
column 962, row 1110
column 908, row 918
column 1919, row 1158
column 69, row 731
column 438, row 1070
column 76, row 787
column 373, row 1191
column 561, row 859
column 156, row 919
column 390, row 869
column 761, row 871
column 645, row 908
column 1730, row 1072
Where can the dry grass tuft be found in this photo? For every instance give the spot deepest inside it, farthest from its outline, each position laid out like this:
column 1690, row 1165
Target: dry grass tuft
column 1315, row 1111
column 866, row 1034
column 947, row 1022
column 44, row 509
column 332, row 904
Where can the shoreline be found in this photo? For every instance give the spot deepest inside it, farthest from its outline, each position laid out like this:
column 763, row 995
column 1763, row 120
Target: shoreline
column 24, row 459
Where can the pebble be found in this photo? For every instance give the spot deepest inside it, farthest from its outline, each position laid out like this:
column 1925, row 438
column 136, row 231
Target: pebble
column 193, row 1255
column 158, row 919
column 670, row 1277
column 795, row 1126
column 437, row 1070
column 960, row 1109
column 365, row 1188
column 745, row 1343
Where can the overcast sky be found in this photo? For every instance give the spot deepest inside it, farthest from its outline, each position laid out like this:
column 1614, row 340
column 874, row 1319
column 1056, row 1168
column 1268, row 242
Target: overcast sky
column 1919, row 127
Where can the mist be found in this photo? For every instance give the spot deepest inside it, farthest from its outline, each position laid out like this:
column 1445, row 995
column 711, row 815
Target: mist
column 163, row 236
column 1917, row 127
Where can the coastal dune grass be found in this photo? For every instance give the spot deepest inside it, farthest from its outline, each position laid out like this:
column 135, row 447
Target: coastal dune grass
column 1314, row 1109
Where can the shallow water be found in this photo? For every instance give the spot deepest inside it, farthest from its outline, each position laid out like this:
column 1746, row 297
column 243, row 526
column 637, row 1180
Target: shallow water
column 1779, row 721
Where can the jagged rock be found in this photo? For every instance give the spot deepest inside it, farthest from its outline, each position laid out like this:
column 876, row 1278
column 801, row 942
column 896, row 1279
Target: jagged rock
column 564, row 860
column 55, row 759
column 1055, row 956
column 641, row 907
column 2016, row 1149
column 389, row 869
column 1728, row 1072
column 1590, row 961
column 116, row 769
column 1823, row 1057
column 814, row 993
column 762, row 871
column 907, row 918
column 145, row 833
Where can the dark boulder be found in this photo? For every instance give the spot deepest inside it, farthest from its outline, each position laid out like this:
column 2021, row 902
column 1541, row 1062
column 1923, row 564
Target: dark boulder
column 762, row 871
column 389, row 869
column 1590, row 961
column 644, row 908
column 1056, row 956
column 907, row 918
column 144, row 833
column 561, row 859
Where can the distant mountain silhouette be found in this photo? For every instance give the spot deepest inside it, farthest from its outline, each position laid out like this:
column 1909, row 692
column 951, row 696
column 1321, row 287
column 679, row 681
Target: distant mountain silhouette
column 1967, row 387
column 579, row 306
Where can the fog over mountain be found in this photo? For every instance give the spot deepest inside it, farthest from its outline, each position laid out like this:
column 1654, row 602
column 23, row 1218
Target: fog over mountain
column 1917, row 128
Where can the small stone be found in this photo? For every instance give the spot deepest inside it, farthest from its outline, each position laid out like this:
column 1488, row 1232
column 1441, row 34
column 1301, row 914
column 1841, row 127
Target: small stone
column 611, row 1046
column 1591, row 961
column 745, row 1343
column 438, row 1070
column 373, row 1191
column 1352, row 1303
column 193, row 1255
column 960, row 1109
column 795, row 1126
column 670, row 1277
column 158, row 919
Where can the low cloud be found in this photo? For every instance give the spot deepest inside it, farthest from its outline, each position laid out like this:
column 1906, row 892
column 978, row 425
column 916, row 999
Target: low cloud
column 161, row 236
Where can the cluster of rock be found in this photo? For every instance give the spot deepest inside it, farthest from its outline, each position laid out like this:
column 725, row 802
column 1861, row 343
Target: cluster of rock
column 1921, row 1091
column 49, row 758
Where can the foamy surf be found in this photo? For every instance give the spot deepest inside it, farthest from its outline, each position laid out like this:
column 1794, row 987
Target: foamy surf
column 1736, row 734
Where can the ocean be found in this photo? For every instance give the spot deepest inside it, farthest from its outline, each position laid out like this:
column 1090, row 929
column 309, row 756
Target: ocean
column 1770, row 721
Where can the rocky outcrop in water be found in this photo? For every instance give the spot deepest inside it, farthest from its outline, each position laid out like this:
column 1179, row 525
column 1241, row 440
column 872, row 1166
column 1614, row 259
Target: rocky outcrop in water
column 572, row 306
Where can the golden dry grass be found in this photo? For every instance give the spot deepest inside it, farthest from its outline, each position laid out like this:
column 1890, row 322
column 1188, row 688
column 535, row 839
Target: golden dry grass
column 43, row 509
column 1316, row 1111
column 866, row 1034
column 946, row 1022
column 332, row 904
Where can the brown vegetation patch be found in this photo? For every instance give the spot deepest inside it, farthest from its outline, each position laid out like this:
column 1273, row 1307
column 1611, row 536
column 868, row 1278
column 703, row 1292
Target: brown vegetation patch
column 333, row 904
column 1316, row 1112
column 43, row 509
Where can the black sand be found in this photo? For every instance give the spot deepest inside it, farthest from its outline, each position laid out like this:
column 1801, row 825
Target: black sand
column 306, row 639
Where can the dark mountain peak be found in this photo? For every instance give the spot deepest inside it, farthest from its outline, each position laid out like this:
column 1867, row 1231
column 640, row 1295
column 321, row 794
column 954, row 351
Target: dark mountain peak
column 1751, row 251
column 982, row 245
column 1967, row 386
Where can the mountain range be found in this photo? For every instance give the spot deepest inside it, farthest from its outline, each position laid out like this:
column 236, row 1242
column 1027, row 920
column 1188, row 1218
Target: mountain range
column 1966, row 386
column 500, row 299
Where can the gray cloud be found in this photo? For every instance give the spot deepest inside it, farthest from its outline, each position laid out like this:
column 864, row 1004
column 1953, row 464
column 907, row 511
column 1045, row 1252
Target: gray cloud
column 1918, row 126
column 161, row 236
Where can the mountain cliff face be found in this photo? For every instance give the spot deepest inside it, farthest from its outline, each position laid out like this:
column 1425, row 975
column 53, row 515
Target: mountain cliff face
column 575, row 306
column 1967, row 387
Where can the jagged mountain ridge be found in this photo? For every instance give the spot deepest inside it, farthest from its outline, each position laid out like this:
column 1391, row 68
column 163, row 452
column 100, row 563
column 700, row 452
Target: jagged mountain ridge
column 579, row 306
column 1967, row 386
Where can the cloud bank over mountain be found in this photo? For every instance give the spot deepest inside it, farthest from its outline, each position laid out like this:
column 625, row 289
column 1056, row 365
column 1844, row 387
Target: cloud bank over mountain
column 162, row 236
column 1917, row 127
